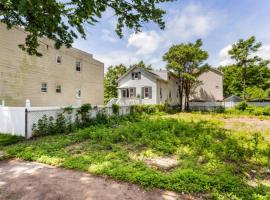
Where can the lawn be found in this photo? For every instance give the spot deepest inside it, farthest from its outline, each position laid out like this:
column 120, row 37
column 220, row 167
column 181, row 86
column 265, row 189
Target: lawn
column 216, row 156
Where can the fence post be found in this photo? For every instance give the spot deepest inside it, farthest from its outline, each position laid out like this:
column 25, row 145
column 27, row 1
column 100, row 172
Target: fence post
column 26, row 123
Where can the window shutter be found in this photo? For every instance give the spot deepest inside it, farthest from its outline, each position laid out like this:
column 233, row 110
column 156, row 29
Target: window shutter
column 142, row 95
column 150, row 92
column 132, row 75
column 134, row 92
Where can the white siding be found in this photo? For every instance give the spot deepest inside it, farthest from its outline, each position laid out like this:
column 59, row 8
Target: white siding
column 145, row 81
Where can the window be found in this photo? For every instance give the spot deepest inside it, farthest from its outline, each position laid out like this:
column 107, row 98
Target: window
column 170, row 95
column 136, row 75
column 124, row 93
column 160, row 93
column 78, row 93
column 78, row 66
column 59, row 59
column 147, row 92
column 44, row 87
column 58, row 89
column 132, row 92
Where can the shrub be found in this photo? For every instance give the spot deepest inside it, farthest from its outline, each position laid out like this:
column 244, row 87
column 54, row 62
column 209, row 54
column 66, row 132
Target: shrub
column 242, row 106
column 115, row 109
column 220, row 109
column 148, row 109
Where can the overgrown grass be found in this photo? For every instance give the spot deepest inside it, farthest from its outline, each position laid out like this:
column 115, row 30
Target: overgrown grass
column 211, row 160
column 6, row 139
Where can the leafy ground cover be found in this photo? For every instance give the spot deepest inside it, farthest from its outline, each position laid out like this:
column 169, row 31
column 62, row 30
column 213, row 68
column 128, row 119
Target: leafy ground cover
column 211, row 159
column 6, row 139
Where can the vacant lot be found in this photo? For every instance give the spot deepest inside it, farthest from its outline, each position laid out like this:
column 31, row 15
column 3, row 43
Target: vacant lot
column 213, row 156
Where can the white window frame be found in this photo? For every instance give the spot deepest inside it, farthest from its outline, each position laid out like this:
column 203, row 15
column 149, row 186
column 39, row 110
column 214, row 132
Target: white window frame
column 147, row 92
column 133, row 93
column 42, row 88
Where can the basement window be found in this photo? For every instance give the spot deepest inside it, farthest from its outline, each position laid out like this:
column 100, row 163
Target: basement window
column 44, row 87
column 58, row 59
column 78, row 93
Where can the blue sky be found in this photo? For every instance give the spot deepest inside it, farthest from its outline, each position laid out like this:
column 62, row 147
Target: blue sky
column 219, row 23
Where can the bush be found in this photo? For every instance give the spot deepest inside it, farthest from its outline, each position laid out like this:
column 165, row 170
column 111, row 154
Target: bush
column 6, row 139
column 148, row 109
column 242, row 106
column 115, row 109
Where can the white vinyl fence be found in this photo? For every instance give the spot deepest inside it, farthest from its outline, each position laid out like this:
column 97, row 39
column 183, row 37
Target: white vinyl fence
column 19, row 120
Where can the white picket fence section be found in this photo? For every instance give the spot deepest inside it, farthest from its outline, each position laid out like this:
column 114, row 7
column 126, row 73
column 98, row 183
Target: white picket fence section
column 12, row 120
column 20, row 120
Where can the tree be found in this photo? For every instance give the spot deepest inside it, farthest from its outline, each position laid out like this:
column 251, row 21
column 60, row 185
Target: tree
column 244, row 54
column 142, row 65
column 256, row 93
column 110, row 81
column 184, row 61
column 63, row 21
column 232, row 85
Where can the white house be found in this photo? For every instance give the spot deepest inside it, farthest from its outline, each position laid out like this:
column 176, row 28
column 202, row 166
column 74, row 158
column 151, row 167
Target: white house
column 141, row 86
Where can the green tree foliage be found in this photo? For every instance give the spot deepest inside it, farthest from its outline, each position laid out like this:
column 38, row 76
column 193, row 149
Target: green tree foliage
column 182, row 61
column 256, row 76
column 255, row 93
column 244, row 54
column 142, row 65
column 110, row 81
column 63, row 21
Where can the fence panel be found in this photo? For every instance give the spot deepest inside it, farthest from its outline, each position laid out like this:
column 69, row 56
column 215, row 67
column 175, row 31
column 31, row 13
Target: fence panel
column 12, row 120
column 36, row 113
column 205, row 106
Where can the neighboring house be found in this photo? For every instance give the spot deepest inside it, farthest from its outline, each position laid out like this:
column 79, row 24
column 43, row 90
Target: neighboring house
column 210, row 87
column 59, row 78
column 141, row 86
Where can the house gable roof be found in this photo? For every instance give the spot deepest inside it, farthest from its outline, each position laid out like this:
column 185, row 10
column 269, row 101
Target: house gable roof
column 150, row 73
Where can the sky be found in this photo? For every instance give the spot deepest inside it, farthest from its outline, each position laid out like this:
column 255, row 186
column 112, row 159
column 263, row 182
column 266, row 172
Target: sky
column 219, row 23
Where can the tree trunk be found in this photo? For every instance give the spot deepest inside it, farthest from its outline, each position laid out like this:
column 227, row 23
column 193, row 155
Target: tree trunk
column 244, row 82
column 181, row 92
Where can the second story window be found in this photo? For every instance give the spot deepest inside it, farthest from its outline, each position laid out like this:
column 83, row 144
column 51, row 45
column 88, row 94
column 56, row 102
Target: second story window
column 78, row 66
column 44, row 87
column 58, row 59
column 136, row 75
column 58, row 89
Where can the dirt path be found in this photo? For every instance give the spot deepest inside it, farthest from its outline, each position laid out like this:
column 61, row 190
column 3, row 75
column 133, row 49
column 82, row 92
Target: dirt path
column 33, row 181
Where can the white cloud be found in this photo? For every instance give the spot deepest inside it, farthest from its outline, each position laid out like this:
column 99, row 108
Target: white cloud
column 225, row 59
column 145, row 42
column 118, row 57
column 192, row 21
column 108, row 36
column 264, row 52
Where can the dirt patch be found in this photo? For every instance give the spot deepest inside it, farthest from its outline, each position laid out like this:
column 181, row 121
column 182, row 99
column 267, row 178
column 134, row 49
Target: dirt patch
column 30, row 181
column 164, row 163
column 249, row 123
